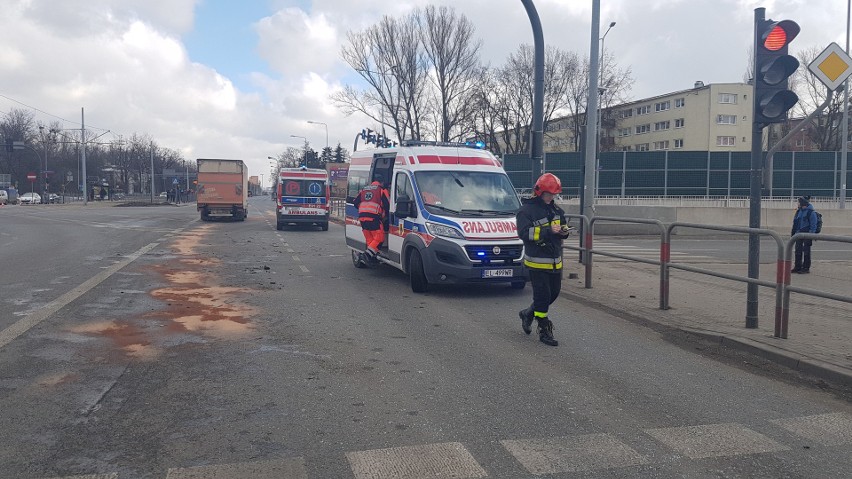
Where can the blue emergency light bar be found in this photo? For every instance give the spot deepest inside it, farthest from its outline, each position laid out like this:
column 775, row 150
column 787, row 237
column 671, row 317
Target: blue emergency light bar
column 468, row 144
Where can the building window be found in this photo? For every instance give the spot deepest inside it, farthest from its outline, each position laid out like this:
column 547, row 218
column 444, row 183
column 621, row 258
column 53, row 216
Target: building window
column 640, row 129
column 663, row 105
column 726, row 141
column 678, row 143
column 624, row 132
column 642, row 147
column 679, row 123
column 800, row 143
column 643, row 110
column 730, row 98
column 628, row 113
column 627, row 148
column 661, row 145
column 662, row 125
column 726, row 119
column 680, row 102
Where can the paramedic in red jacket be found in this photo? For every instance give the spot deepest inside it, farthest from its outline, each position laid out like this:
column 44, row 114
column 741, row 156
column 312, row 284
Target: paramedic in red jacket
column 373, row 204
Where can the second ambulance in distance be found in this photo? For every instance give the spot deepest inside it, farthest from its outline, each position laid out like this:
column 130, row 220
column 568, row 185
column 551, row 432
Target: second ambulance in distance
column 302, row 197
column 452, row 214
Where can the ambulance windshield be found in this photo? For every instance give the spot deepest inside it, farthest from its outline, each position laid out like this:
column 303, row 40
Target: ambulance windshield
column 302, row 187
column 467, row 193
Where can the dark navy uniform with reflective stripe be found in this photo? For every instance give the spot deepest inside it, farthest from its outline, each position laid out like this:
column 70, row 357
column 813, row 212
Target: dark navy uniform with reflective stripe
column 542, row 250
column 542, row 247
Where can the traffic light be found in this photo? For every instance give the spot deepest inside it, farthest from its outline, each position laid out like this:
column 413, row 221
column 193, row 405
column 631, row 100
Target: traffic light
column 380, row 140
column 772, row 70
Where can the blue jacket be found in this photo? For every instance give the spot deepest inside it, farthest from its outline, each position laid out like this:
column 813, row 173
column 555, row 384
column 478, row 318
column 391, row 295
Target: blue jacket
column 805, row 220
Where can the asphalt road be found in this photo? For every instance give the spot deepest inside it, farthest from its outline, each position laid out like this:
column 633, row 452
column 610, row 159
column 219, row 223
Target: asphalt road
column 176, row 348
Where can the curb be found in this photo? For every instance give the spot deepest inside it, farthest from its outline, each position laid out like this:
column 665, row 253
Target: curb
column 794, row 361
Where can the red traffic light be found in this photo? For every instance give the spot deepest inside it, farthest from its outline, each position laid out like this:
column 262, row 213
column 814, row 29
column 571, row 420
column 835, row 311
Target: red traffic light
column 776, row 39
column 778, row 35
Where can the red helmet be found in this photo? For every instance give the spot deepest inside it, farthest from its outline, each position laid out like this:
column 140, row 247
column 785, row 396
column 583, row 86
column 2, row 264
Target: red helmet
column 547, row 183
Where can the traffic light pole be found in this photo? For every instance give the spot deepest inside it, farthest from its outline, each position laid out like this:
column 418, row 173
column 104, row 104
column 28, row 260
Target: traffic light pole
column 755, row 189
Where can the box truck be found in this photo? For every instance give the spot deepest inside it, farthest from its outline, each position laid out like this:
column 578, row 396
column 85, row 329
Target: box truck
column 222, row 189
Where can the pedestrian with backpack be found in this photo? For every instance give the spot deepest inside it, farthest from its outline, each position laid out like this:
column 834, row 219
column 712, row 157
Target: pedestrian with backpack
column 804, row 221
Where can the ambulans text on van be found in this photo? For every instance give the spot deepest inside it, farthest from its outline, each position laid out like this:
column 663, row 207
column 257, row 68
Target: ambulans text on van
column 452, row 214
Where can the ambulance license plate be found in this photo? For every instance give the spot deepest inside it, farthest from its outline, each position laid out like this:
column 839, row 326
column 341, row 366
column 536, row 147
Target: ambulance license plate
column 497, row 273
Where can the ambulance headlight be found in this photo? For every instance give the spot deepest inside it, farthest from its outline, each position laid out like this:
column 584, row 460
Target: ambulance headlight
column 436, row 229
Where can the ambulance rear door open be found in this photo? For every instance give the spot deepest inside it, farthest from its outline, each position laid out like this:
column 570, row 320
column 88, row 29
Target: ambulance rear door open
column 381, row 168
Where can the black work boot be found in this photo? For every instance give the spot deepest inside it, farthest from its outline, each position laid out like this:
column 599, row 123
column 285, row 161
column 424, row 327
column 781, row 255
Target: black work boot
column 545, row 332
column 527, row 317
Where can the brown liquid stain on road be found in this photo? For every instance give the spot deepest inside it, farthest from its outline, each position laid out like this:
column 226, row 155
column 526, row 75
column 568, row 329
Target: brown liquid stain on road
column 194, row 305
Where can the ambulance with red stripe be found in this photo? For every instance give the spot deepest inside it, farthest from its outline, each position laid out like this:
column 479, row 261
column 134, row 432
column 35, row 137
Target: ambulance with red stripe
column 452, row 214
column 302, row 197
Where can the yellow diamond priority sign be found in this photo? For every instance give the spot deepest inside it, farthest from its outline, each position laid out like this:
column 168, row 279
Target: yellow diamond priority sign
column 832, row 66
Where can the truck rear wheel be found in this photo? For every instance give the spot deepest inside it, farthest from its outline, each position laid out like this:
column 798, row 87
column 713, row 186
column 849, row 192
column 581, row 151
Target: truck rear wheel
column 205, row 215
column 417, row 277
column 324, row 226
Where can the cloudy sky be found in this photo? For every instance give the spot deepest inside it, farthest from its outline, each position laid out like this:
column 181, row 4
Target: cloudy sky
column 236, row 78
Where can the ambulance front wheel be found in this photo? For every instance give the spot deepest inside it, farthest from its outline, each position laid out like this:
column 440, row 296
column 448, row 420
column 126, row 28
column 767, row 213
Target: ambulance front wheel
column 324, row 226
column 419, row 284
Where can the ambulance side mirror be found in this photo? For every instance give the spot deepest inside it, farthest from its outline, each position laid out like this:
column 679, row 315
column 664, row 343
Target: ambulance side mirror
column 405, row 207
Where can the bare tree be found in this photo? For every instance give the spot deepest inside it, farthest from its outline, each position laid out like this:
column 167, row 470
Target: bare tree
column 453, row 59
column 826, row 132
column 389, row 57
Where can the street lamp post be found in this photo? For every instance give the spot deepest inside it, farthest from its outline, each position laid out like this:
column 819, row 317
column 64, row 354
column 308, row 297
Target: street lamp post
column 326, row 129
column 305, row 164
column 44, row 142
column 601, row 92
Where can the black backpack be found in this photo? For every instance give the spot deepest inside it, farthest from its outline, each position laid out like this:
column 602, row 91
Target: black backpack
column 819, row 221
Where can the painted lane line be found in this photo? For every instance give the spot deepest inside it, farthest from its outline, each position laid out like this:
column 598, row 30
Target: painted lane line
column 293, row 468
column 296, row 259
column 303, row 268
column 9, row 334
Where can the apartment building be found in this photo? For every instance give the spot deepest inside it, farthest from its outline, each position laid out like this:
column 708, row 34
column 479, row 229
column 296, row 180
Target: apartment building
column 714, row 117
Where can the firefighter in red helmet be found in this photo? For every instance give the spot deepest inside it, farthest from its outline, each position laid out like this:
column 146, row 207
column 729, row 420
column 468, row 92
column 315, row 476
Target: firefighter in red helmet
column 542, row 227
column 373, row 203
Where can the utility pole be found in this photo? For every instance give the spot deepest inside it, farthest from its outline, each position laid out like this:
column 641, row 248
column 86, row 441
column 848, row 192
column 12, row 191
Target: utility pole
column 83, row 143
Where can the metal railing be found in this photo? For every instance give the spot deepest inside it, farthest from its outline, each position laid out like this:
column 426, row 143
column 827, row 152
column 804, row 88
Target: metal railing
column 781, row 285
column 782, row 322
column 778, row 284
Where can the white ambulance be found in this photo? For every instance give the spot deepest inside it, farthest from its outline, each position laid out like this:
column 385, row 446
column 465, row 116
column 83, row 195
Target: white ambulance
column 452, row 214
column 302, row 197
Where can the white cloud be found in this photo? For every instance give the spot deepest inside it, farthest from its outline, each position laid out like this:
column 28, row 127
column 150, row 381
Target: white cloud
column 123, row 60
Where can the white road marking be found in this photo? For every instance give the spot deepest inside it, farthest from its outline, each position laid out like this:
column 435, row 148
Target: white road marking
column 827, row 429
column 20, row 327
column 715, row 440
column 296, row 259
column 90, row 476
column 573, row 453
column 293, row 468
column 303, row 268
column 450, row 459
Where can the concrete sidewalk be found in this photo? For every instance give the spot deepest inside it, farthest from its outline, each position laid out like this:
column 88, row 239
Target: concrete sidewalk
column 820, row 331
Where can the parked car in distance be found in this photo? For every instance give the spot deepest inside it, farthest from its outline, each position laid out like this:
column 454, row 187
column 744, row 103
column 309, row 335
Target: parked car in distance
column 54, row 198
column 163, row 195
column 30, row 198
column 4, row 197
